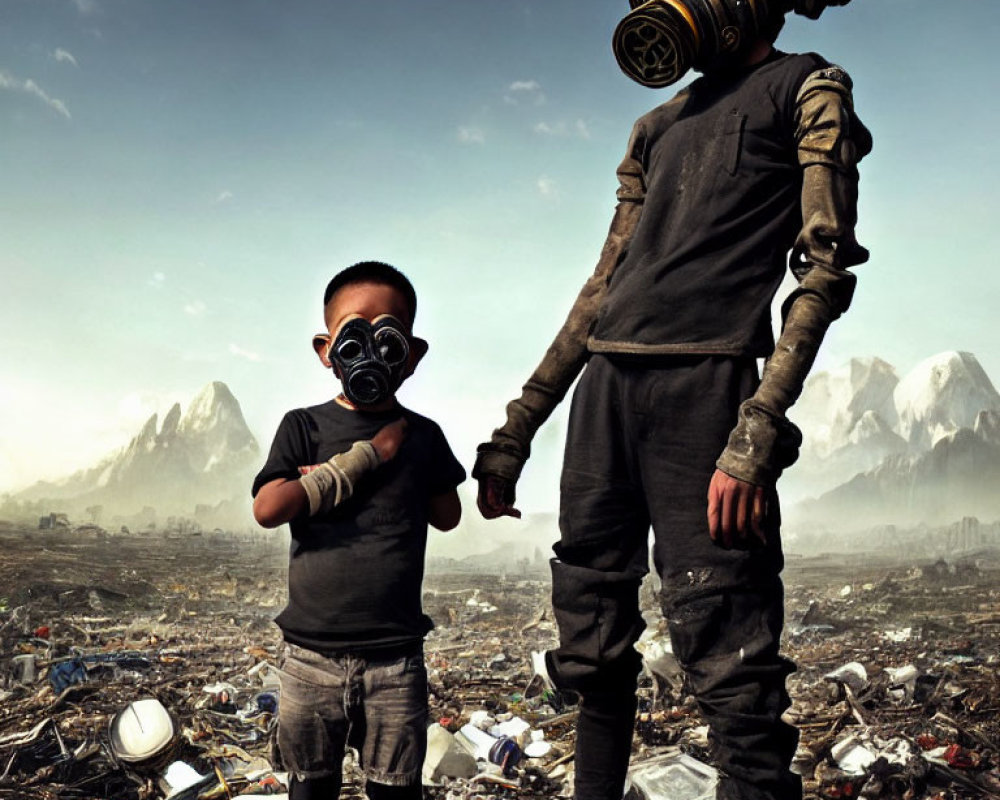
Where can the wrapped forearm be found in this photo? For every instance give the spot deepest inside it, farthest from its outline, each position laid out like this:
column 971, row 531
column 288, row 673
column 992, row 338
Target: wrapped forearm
column 831, row 140
column 764, row 442
column 333, row 481
column 504, row 455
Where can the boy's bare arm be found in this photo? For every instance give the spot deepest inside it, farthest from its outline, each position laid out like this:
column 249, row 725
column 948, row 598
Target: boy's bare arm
column 279, row 501
column 324, row 486
column 444, row 510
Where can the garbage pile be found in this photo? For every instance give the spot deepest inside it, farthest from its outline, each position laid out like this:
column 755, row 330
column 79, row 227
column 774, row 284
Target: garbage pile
column 140, row 668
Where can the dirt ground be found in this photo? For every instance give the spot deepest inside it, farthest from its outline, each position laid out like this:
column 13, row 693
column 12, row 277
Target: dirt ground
column 177, row 618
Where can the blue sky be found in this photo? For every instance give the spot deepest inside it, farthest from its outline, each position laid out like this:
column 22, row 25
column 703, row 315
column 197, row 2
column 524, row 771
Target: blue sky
column 181, row 179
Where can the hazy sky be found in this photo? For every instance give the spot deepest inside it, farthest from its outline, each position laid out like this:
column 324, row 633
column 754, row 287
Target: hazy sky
column 180, row 180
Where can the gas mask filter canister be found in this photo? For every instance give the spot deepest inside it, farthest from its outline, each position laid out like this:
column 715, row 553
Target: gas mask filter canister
column 658, row 41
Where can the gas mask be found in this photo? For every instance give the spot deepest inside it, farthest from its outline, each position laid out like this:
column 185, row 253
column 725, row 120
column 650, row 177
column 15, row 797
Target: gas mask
column 371, row 360
column 658, row 41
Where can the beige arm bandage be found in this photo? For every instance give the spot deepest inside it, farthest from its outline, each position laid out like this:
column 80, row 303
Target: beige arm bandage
column 332, row 482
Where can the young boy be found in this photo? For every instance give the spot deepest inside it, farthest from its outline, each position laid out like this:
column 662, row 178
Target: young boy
column 359, row 478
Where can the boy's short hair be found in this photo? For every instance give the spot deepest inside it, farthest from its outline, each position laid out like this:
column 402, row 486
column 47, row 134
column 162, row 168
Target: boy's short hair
column 373, row 272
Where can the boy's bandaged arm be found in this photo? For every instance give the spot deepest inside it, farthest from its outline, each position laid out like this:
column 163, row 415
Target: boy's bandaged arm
column 831, row 140
column 504, row 455
column 333, row 481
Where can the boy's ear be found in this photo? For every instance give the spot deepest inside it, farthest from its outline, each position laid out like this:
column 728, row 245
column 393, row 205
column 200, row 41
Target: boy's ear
column 321, row 344
column 418, row 349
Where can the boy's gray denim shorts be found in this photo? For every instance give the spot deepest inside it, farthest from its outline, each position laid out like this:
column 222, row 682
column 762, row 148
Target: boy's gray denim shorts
column 374, row 704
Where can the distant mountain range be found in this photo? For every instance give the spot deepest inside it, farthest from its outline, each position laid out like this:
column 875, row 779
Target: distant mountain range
column 879, row 449
column 205, row 457
column 883, row 449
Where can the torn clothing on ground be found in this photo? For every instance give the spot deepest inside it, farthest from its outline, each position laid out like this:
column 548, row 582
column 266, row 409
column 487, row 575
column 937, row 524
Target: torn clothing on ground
column 831, row 141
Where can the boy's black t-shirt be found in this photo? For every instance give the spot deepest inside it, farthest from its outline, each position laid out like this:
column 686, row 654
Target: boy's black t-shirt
column 355, row 574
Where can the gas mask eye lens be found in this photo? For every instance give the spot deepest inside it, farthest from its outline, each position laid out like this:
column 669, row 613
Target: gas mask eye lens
column 350, row 349
column 391, row 346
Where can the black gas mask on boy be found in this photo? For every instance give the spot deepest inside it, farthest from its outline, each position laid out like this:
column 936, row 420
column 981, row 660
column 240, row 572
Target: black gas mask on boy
column 371, row 360
column 660, row 40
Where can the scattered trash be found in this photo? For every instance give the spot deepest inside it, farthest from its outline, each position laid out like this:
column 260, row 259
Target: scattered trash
column 446, row 758
column 672, row 776
column 897, row 691
column 852, row 756
column 853, row 675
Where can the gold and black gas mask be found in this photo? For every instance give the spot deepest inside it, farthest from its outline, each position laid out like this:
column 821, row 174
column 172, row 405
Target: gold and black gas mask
column 658, row 41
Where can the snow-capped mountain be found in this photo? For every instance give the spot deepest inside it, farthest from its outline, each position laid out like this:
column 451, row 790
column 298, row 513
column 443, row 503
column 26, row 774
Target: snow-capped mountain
column 204, row 456
column 942, row 394
column 925, row 448
column 848, row 419
column 834, row 403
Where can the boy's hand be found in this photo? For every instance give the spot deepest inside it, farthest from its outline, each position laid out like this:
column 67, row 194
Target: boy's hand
column 387, row 441
column 735, row 510
column 496, row 498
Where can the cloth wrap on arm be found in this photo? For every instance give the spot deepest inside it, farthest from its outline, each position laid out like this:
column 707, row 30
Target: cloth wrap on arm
column 504, row 455
column 831, row 140
column 332, row 482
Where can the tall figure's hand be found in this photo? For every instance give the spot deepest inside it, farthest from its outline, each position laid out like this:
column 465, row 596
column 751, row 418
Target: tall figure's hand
column 496, row 498
column 736, row 509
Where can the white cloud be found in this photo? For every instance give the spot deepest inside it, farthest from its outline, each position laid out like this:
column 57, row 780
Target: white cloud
column 86, row 6
column 224, row 195
column 28, row 86
column 471, row 135
column 561, row 129
column 156, row 280
column 249, row 355
column 546, row 186
column 64, row 55
column 529, row 90
column 195, row 308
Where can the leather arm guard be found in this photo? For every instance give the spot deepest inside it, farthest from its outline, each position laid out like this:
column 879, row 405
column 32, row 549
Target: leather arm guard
column 831, row 140
column 504, row 454
column 332, row 482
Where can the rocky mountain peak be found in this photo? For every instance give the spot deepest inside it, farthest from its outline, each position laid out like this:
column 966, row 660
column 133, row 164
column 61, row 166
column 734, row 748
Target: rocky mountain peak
column 170, row 422
column 942, row 394
column 202, row 456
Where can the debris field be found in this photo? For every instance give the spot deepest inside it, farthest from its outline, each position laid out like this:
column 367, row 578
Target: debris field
column 897, row 693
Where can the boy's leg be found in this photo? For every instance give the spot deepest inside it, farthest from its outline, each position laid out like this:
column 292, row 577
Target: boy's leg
column 724, row 607
column 381, row 791
column 312, row 722
column 394, row 741
column 600, row 561
column 315, row 788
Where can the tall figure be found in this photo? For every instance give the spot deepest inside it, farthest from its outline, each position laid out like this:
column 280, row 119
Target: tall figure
column 751, row 167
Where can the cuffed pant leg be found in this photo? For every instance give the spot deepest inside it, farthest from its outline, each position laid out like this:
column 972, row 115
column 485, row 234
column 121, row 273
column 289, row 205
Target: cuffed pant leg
column 327, row 788
column 600, row 562
column 726, row 638
column 724, row 607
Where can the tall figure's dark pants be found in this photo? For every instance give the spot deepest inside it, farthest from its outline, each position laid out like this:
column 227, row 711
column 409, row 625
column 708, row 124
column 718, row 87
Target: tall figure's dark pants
column 644, row 435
